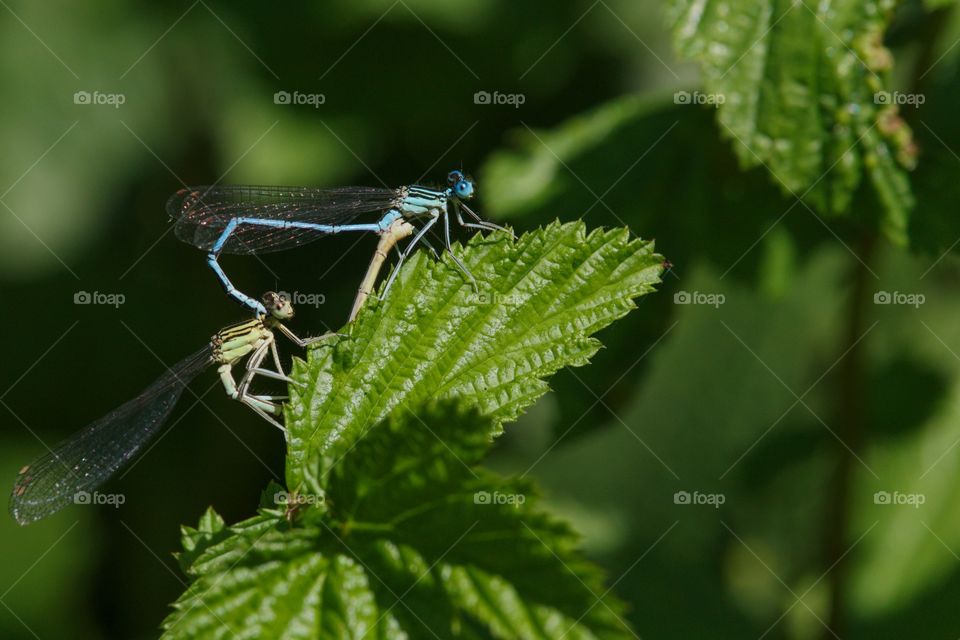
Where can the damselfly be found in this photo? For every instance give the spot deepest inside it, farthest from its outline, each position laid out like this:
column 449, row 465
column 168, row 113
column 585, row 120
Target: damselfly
column 86, row 460
column 247, row 220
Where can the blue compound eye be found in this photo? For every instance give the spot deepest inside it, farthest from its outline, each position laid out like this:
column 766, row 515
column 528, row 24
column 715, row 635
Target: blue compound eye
column 454, row 177
column 464, row 189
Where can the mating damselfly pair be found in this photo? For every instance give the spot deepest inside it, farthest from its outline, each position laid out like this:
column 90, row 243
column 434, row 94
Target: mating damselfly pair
column 242, row 220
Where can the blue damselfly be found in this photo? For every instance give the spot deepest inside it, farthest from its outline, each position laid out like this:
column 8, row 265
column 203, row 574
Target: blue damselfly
column 237, row 219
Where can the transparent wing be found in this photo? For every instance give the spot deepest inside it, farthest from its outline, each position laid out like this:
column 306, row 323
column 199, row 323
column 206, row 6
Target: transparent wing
column 202, row 213
column 87, row 459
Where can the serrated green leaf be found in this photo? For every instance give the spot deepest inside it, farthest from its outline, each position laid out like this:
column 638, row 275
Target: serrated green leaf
column 797, row 84
column 414, row 541
column 196, row 541
column 540, row 299
column 396, row 532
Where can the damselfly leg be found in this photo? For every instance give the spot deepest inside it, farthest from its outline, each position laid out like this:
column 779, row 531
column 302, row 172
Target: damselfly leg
column 407, row 251
column 480, row 222
column 463, row 267
column 267, row 407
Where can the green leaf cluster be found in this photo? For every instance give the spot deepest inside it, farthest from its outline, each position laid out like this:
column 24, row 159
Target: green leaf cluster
column 391, row 528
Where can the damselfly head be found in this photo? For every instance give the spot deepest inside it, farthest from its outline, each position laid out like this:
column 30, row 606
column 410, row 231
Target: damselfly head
column 460, row 185
column 278, row 305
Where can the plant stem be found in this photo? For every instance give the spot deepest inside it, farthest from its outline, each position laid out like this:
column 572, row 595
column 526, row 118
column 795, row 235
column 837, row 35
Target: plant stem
column 851, row 430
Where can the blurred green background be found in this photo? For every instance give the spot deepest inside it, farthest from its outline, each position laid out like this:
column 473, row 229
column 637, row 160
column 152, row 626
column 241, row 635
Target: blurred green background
column 794, row 399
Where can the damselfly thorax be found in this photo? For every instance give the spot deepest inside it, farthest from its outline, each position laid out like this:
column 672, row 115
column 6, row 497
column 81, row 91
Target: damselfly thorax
column 415, row 201
column 233, row 343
